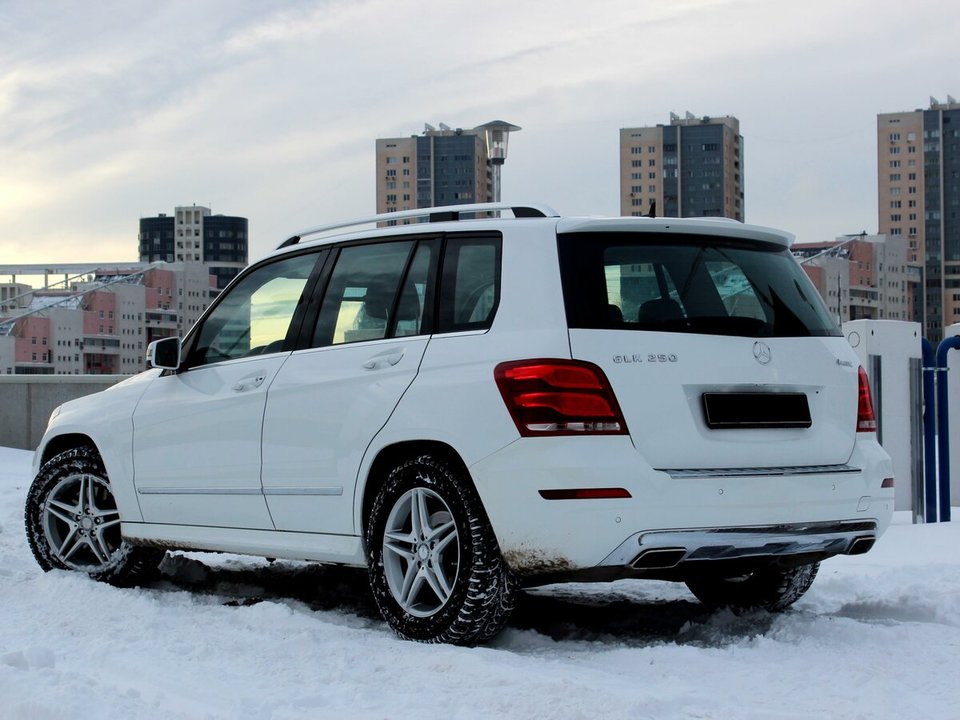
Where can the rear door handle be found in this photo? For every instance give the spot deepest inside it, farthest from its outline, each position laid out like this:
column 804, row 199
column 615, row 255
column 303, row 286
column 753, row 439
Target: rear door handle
column 391, row 357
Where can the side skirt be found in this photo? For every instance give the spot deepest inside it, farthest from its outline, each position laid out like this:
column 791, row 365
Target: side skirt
column 337, row 549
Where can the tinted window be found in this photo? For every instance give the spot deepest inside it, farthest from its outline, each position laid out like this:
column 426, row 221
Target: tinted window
column 359, row 300
column 688, row 283
column 470, row 288
column 253, row 317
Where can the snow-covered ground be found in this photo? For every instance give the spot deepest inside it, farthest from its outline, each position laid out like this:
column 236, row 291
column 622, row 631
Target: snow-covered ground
column 878, row 636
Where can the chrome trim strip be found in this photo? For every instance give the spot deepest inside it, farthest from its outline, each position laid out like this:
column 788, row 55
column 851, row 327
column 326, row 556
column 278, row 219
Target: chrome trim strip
column 303, row 491
column 241, row 491
column 198, row 491
column 754, row 472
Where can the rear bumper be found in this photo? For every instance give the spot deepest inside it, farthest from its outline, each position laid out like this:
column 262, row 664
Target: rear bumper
column 674, row 519
column 666, row 549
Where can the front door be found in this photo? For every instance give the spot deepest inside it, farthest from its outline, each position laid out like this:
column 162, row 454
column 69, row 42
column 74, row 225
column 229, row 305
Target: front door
column 197, row 432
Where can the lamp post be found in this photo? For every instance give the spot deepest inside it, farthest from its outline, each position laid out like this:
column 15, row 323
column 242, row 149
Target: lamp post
column 496, row 134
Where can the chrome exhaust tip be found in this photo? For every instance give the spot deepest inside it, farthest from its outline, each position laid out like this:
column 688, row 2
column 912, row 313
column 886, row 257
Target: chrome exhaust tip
column 861, row 545
column 658, row 558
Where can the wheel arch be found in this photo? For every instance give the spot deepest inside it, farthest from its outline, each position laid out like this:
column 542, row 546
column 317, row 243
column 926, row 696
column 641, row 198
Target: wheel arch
column 67, row 441
column 388, row 456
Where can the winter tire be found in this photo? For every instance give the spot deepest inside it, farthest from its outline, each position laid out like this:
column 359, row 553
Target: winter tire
column 73, row 523
column 770, row 588
column 435, row 566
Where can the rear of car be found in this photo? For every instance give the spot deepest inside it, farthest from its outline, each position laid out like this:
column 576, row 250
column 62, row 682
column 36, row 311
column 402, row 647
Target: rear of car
column 710, row 417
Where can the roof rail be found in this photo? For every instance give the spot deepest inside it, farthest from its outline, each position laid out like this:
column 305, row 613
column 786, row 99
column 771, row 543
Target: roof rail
column 433, row 214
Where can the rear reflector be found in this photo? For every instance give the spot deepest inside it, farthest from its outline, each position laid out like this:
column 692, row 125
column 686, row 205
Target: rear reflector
column 887, row 483
column 866, row 420
column 559, row 397
column 584, row 494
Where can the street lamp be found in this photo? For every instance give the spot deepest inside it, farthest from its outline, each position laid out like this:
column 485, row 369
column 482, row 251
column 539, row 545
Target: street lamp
column 496, row 134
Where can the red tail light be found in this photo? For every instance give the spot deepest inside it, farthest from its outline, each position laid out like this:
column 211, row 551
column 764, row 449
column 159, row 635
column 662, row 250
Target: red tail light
column 559, row 397
column 866, row 420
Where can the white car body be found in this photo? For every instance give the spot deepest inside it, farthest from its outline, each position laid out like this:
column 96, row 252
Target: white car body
column 274, row 454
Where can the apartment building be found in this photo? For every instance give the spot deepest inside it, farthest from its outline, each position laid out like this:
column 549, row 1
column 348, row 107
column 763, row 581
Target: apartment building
column 863, row 276
column 918, row 197
column 692, row 167
column 445, row 166
column 194, row 234
column 103, row 324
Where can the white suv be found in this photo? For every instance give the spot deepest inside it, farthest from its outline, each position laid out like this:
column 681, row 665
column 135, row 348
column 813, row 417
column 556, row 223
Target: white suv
column 467, row 407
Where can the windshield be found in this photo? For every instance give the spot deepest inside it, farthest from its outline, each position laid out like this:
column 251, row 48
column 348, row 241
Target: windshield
column 688, row 283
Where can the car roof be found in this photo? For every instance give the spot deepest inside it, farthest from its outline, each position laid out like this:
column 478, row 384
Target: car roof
column 447, row 219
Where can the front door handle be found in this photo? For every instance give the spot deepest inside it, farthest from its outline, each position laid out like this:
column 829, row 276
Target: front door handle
column 249, row 383
column 391, row 357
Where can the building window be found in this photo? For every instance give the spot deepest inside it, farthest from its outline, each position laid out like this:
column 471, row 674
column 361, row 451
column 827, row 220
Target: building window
column 894, row 177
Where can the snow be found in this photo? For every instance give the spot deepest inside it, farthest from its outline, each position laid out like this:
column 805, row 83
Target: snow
column 218, row 636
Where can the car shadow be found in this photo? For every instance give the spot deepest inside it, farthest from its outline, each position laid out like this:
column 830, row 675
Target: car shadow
column 559, row 613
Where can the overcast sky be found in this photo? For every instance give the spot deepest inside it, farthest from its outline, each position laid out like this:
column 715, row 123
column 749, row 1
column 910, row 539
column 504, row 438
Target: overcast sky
column 111, row 111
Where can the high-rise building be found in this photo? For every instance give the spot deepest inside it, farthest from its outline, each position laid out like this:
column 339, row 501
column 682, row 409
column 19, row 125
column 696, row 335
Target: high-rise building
column 918, row 197
column 440, row 167
column 193, row 234
column 692, row 167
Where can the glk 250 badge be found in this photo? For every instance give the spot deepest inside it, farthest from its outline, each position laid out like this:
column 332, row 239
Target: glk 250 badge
column 651, row 358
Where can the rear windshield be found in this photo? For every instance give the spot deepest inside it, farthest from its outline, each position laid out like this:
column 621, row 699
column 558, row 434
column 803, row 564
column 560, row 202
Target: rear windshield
column 688, row 283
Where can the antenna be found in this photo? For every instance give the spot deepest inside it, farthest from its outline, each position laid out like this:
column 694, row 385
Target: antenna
column 427, row 127
column 689, row 115
column 674, row 117
column 951, row 100
column 444, row 127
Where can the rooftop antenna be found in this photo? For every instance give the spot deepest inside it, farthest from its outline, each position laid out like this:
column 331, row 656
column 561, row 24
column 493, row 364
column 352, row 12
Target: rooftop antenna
column 652, row 212
column 951, row 100
column 674, row 117
column 444, row 127
column 427, row 127
column 689, row 115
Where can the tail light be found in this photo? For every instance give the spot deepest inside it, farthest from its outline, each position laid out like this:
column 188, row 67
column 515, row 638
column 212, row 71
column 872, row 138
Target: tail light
column 559, row 397
column 866, row 420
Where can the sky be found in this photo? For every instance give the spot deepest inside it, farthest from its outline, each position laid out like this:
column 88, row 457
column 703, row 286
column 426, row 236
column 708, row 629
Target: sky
column 269, row 109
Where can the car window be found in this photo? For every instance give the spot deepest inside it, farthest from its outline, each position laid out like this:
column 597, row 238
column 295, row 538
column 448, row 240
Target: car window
column 412, row 310
column 361, row 293
column 688, row 283
column 254, row 316
column 470, row 286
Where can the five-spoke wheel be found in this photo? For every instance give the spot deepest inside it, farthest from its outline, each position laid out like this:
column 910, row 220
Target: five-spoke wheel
column 421, row 555
column 73, row 522
column 435, row 566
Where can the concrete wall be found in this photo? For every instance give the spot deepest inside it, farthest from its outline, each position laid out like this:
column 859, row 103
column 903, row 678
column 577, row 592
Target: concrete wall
column 26, row 402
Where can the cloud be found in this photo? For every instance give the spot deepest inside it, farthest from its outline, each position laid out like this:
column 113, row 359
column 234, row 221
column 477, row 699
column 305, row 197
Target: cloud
column 270, row 109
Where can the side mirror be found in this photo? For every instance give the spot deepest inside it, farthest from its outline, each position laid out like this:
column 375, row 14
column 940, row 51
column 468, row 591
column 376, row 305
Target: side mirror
column 164, row 354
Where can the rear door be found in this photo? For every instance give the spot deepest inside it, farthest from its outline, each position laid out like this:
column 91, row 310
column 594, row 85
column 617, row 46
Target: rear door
column 720, row 352
column 332, row 397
